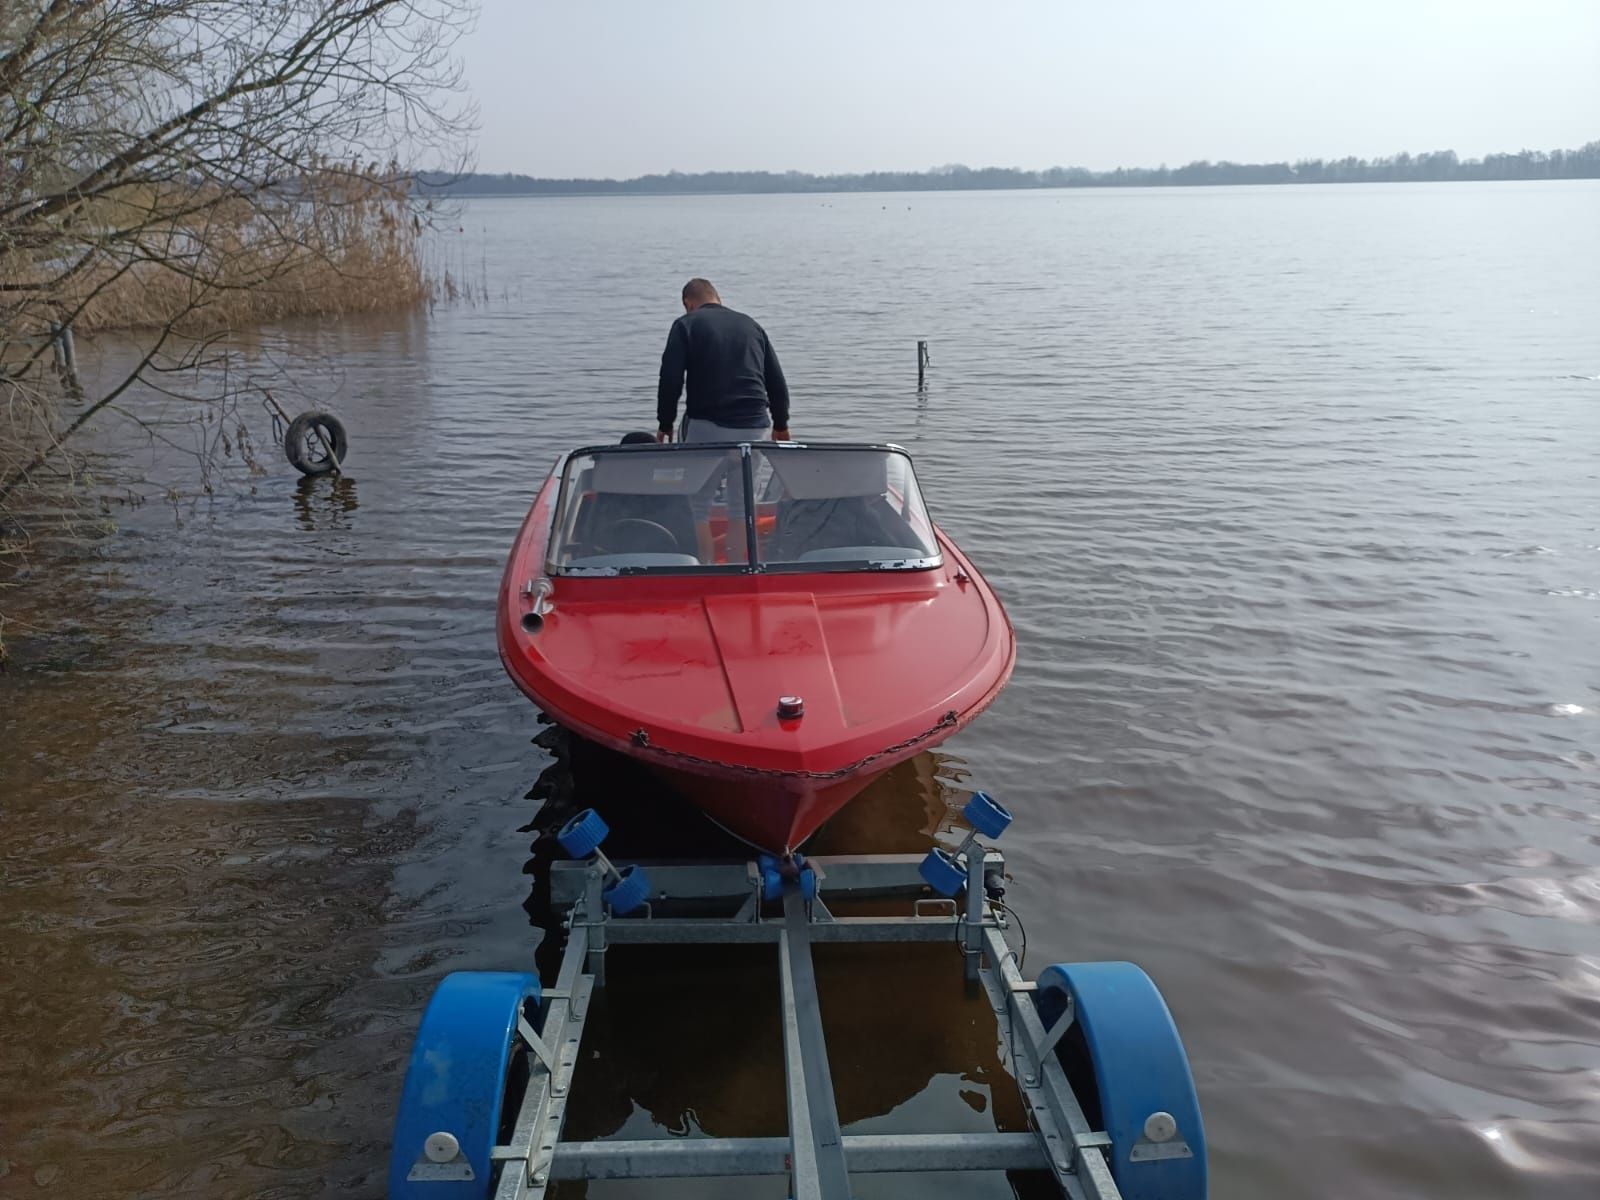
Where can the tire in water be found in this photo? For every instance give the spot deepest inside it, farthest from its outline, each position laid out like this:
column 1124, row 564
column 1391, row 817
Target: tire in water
column 315, row 428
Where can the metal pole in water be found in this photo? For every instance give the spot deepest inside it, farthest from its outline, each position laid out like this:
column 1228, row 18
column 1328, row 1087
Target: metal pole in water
column 66, row 356
column 922, row 364
column 69, row 350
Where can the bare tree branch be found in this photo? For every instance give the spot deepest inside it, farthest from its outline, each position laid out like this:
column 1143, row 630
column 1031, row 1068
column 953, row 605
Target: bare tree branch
column 190, row 167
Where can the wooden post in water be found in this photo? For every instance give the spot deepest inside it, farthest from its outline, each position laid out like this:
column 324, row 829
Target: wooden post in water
column 922, row 365
column 69, row 351
column 66, row 357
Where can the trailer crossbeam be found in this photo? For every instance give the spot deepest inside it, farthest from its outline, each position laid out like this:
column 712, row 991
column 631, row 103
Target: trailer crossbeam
column 866, row 1154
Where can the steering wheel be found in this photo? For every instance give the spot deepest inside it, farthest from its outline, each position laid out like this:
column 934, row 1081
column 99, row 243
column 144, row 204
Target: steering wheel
column 635, row 535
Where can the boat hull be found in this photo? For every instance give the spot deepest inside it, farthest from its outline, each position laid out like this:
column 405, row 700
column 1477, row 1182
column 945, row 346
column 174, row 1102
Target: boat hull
column 686, row 674
column 772, row 815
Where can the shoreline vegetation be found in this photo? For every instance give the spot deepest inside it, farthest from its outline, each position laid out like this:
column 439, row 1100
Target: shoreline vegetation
column 1439, row 166
column 184, row 173
column 342, row 239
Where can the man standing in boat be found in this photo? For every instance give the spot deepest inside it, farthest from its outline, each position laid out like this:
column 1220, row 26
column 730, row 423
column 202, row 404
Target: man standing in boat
column 737, row 392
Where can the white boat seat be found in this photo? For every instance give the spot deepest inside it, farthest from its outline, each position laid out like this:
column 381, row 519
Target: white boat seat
column 661, row 559
column 863, row 554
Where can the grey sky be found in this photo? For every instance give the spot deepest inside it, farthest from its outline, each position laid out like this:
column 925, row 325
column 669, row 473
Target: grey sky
column 627, row 87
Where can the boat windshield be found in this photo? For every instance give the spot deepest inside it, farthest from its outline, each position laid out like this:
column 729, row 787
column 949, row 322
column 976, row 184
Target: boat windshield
column 691, row 508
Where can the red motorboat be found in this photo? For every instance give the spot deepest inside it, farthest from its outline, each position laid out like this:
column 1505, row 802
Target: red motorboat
column 769, row 626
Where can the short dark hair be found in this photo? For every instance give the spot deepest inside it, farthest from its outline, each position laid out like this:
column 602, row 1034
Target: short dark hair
column 702, row 290
column 637, row 437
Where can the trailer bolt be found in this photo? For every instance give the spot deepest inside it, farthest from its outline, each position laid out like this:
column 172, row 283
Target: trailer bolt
column 441, row 1147
column 1160, row 1127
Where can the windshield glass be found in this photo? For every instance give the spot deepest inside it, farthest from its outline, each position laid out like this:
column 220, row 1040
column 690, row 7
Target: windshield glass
column 847, row 507
column 677, row 508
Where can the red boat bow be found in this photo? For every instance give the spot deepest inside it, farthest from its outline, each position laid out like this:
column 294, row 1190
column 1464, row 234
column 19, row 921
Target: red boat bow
column 684, row 668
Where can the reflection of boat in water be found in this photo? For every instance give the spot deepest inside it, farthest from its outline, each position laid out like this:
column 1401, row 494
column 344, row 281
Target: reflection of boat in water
column 768, row 626
column 901, row 1032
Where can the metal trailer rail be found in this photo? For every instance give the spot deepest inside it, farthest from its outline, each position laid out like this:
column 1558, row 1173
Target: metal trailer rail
column 1151, row 1143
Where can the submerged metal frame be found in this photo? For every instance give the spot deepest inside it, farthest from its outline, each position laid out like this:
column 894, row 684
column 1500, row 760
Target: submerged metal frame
column 816, row 1155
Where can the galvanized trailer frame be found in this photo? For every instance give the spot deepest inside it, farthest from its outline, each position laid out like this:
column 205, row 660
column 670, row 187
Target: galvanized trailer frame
column 816, row 1155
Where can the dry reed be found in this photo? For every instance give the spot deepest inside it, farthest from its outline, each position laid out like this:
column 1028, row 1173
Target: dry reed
column 345, row 243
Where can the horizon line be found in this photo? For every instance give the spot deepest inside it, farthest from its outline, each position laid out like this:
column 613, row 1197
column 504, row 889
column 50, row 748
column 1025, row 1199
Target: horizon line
column 955, row 168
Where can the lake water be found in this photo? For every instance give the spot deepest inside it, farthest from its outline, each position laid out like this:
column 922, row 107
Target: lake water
column 1293, row 496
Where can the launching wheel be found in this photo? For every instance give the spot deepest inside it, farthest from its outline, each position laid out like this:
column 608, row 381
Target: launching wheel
column 807, row 879
column 1127, row 1066
column 987, row 815
column 942, row 872
column 775, row 872
column 630, row 891
column 582, row 835
column 465, row 1063
column 771, row 877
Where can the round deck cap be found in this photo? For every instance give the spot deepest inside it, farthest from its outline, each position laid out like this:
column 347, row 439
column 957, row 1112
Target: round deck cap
column 1160, row 1127
column 441, row 1147
column 791, row 708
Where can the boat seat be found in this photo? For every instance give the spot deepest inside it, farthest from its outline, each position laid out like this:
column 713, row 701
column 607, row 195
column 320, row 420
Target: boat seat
column 634, row 560
column 805, row 527
column 863, row 553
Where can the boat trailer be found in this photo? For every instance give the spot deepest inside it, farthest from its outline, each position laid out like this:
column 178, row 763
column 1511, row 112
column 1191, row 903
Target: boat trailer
column 1102, row 1073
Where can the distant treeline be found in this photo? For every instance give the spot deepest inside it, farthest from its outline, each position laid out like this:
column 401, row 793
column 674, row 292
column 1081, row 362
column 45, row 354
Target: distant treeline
column 1439, row 166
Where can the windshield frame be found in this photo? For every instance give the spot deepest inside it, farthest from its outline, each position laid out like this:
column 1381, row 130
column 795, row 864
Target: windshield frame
column 755, row 565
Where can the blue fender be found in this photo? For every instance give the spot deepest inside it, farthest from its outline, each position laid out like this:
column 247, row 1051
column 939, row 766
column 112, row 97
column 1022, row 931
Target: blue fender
column 1139, row 1069
column 455, row 1083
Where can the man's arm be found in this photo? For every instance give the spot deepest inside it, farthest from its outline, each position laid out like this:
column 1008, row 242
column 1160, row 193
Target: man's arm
column 674, row 361
column 777, row 391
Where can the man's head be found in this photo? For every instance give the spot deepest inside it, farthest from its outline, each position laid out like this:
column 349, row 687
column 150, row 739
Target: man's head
column 697, row 292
